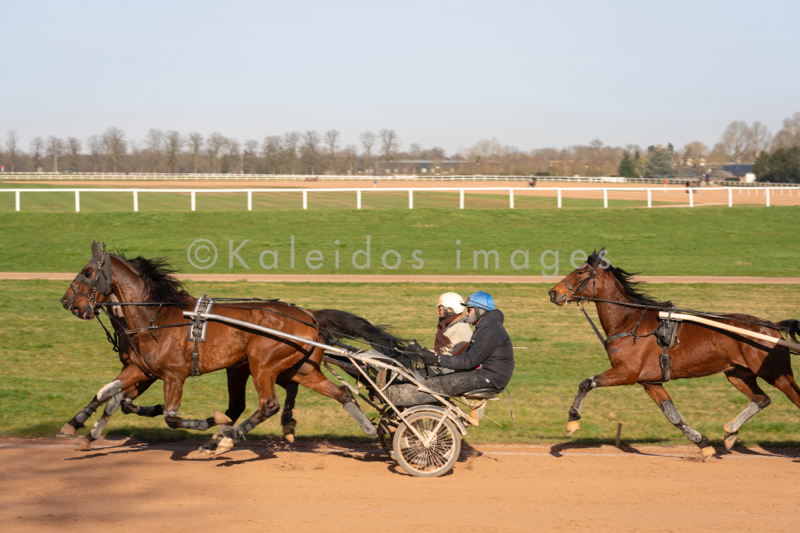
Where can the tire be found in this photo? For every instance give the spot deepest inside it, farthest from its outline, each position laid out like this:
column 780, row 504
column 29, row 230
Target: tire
column 438, row 458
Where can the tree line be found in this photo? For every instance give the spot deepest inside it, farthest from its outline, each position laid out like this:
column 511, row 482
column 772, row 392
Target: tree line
column 381, row 152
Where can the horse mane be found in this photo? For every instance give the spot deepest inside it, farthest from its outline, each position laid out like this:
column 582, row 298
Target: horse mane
column 633, row 291
column 159, row 282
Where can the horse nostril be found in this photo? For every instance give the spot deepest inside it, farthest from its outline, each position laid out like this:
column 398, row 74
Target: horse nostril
column 75, row 312
column 552, row 295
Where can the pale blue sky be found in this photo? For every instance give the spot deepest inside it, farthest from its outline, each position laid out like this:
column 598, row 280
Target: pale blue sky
column 531, row 74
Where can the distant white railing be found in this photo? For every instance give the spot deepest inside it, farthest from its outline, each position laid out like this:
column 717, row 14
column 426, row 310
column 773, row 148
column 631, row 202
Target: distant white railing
column 766, row 191
column 119, row 176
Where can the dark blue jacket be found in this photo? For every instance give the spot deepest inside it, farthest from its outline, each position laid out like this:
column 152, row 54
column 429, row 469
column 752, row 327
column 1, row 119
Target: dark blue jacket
column 490, row 347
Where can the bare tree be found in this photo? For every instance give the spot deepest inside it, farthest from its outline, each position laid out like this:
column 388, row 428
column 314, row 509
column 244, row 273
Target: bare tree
column 114, row 146
column 96, row 152
column 195, row 142
column 231, row 160
column 789, row 136
column 173, row 145
column 54, row 148
column 309, row 152
column 12, row 143
column 735, row 139
column 694, row 155
column 73, row 152
column 331, row 142
column 367, row 142
column 291, row 141
column 37, row 148
column 155, row 147
column 758, row 139
column 389, row 146
column 271, row 150
column 249, row 156
column 214, row 145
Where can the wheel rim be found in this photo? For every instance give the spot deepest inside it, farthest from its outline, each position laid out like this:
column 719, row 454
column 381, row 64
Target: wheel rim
column 437, row 455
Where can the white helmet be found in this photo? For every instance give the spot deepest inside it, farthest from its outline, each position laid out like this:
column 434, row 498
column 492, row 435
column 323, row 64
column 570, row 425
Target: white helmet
column 452, row 301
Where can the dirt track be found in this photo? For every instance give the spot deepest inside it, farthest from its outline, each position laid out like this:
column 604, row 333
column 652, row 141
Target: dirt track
column 47, row 486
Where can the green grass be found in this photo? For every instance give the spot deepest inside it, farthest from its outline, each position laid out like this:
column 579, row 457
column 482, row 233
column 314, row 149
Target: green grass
column 122, row 202
column 52, row 364
column 744, row 241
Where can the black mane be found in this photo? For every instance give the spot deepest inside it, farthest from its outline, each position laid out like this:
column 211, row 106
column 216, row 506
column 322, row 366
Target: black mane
column 159, row 282
column 632, row 290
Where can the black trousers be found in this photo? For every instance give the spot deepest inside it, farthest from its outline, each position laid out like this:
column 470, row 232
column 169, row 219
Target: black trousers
column 454, row 384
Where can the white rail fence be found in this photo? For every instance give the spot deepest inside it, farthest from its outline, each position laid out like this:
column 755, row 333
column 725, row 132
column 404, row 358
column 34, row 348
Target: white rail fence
column 767, row 192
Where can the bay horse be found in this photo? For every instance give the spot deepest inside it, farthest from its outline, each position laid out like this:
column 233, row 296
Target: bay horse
column 237, row 378
column 629, row 316
column 163, row 351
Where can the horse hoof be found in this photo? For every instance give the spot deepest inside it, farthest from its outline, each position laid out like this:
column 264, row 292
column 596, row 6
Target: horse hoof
column 221, row 418
column 288, row 431
column 730, row 439
column 82, row 444
column 67, row 431
column 225, row 445
column 572, row 427
column 707, row 452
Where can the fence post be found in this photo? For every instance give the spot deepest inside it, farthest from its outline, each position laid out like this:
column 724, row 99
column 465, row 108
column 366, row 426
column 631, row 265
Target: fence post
column 194, row 204
column 605, row 197
column 135, row 201
column 249, row 200
column 766, row 193
column 559, row 198
column 460, row 202
column 691, row 197
column 511, row 198
column 730, row 197
column 78, row 201
column 411, row 198
column 649, row 198
column 16, row 199
column 305, row 199
column 358, row 199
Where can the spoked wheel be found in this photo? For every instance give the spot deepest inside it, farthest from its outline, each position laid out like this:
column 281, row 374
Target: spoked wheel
column 434, row 457
column 386, row 429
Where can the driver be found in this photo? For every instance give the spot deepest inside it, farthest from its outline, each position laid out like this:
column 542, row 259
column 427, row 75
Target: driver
column 490, row 347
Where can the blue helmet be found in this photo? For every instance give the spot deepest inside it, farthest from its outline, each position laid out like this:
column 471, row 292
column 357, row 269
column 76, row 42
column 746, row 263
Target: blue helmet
column 481, row 300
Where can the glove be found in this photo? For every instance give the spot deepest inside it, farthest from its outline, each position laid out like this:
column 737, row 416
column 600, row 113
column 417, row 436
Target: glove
column 429, row 358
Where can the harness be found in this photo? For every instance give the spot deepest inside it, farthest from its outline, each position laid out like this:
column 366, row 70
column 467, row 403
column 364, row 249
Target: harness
column 666, row 332
column 101, row 282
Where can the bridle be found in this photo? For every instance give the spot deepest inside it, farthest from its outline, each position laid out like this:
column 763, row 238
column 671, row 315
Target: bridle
column 101, row 283
column 581, row 286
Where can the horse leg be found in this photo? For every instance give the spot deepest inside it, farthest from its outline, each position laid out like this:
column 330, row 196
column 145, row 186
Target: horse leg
column 610, row 378
column 287, row 420
column 79, row 420
column 745, row 381
column 173, row 392
column 310, row 377
column 134, row 392
column 112, row 393
column 268, row 405
column 662, row 398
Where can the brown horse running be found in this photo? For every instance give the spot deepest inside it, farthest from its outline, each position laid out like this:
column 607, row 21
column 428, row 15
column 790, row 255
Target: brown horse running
column 166, row 353
column 237, row 386
column 627, row 316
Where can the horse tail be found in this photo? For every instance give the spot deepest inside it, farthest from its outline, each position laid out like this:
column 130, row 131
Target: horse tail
column 344, row 324
column 790, row 329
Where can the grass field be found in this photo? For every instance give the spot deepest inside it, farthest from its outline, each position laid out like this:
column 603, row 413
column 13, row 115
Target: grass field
column 743, row 241
column 122, row 202
column 52, row 363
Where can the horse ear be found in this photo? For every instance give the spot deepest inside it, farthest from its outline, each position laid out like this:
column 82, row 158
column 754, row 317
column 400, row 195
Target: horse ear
column 95, row 248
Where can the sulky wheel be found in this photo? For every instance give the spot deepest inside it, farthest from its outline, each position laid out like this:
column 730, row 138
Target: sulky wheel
column 440, row 454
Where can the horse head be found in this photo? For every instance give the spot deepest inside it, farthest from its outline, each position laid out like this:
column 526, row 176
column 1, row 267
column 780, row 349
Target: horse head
column 581, row 282
column 93, row 285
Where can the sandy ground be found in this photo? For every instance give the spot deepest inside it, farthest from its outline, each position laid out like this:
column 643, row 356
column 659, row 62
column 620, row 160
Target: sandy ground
column 348, row 278
column 267, row 486
column 675, row 196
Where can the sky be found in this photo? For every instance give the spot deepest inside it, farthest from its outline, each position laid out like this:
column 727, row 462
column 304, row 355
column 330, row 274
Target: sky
column 530, row 74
